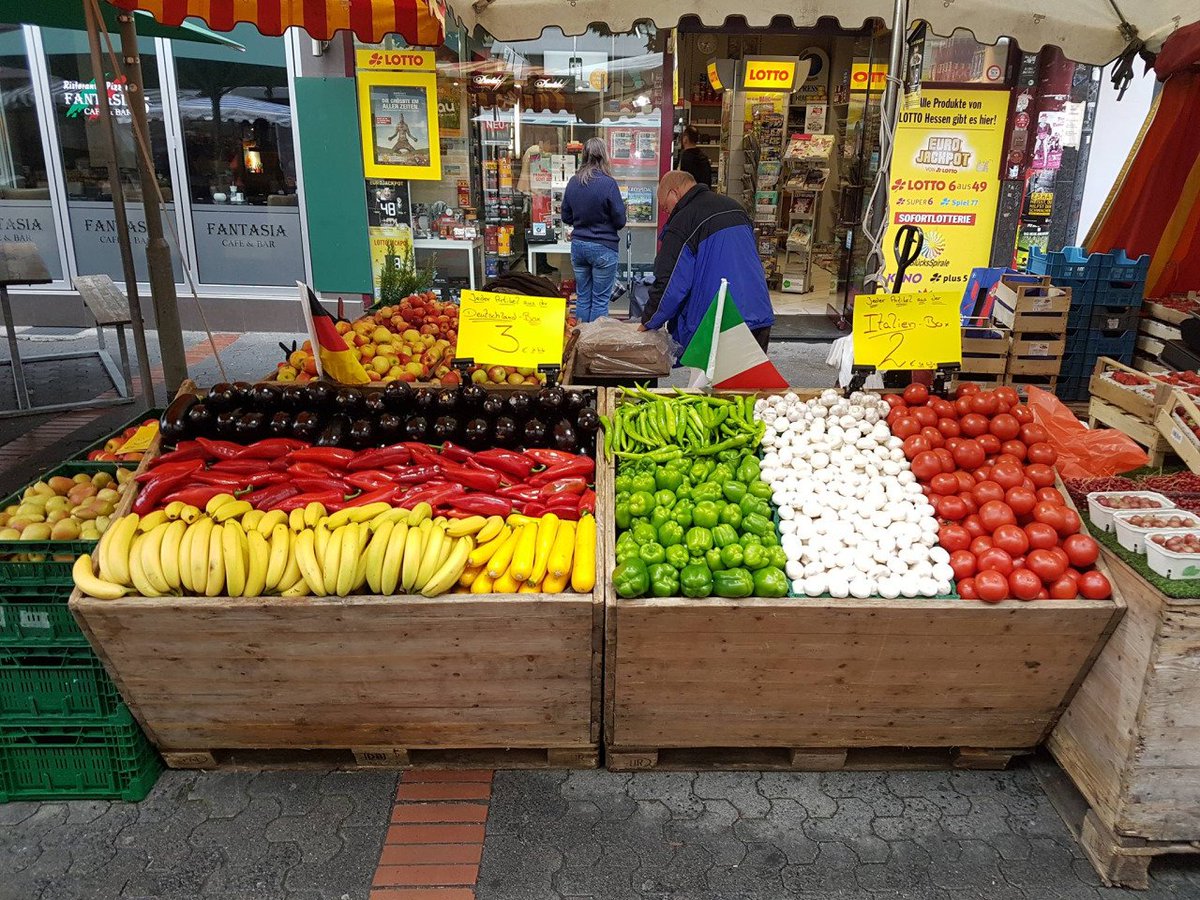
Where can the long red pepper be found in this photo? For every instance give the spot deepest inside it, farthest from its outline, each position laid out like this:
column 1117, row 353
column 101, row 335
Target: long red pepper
column 271, row 448
column 563, row 486
column 476, row 479
column 197, row 495
column 587, row 502
column 416, row 474
column 306, row 483
column 369, row 479
column 185, row 450
column 334, row 457
column 478, row 505
column 187, row 465
column 455, row 453
column 581, row 467
column 511, row 462
column 396, row 454
column 547, row 457
column 380, row 495
column 154, row 490
column 312, row 470
column 331, row 500
column 276, row 493
column 220, row 449
column 520, row 492
column 237, row 465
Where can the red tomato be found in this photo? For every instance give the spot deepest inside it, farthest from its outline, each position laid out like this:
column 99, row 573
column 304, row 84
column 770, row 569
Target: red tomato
column 974, row 527
column 945, row 458
column 987, row 490
column 1004, row 427
column 968, row 501
column 994, row 560
column 966, row 481
column 995, row 513
column 1045, row 565
column 1060, row 554
column 1021, row 499
column 916, row 394
column 1033, row 433
column 985, row 403
column 948, row 427
column 968, row 454
column 962, row 406
column 1071, row 522
column 963, row 563
column 943, row 408
column 931, row 434
column 1025, row 585
column 1022, row 414
column 973, row 424
column 1050, row 495
column 915, row 444
column 1043, row 594
column 951, row 508
column 1081, row 550
column 1050, row 514
column 953, row 443
column 1002, row 407
column 991, row 586
column 896, row 412
column 1011, row 539
column 983, row 473
column 1043, row 453
column 1008, row 395
column 966, row 589
column 1094, row 586
column 925, row 415
column 893, row 400
column 925, row 465
column 1040, row 474
column 905, row 427
column 966, row 389
column 1015, row 449
column 979, row 544
column 953, row 537
column 1041, row 536
column 1065, row 588
column 990, row 444
column 944, row 483
column 1007, row 475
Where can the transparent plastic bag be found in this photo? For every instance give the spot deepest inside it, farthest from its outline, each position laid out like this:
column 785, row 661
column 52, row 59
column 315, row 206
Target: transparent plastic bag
column 1083, row 452
column 614, row 347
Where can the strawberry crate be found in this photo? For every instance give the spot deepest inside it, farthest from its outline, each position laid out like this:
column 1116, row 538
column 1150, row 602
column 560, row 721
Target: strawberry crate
column 61, row 682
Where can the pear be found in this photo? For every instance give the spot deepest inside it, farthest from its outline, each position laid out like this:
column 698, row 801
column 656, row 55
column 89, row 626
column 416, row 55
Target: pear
column 60, row 484
column 38, row 531
column 65, row 530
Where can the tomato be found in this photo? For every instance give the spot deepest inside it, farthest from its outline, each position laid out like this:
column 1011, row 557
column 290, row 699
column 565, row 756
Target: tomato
column 1065, row 588
column 905, row 427
column 1060, row 554
column 966, row 389
column 1050, row 514
column 924, row 415
column 1011, row 539
column 1042, row 453
column 1050, row 495
column 983, row 473
column 1008, row 395
column 1043, row 594
column 915, row 444
column 1022, row 414
column 945, row 459
column 953, row 443
column 893, row 400
column 966, row 589
column 896, row 412
column 990, row 444
column 1045, row 565
column 1033, row 433
column 951, row 508
column 1024, row 584
column 944, row 483
column 1015, row 449
column 1007, row 474
column 1040, row 474
column 1021, row 499
column 968, row 502
column 966, row 481
column 1004, row 427
column 985, row 403
column 963, row 563
column 1041, row 536
column 948, row 427
column 968, row 454
column 973, row 425
column 953, row 537
column 931, row 434
column 979, row 544
column 1093, row 585
column 974, row 526
column 995, row 513
column 987, row 490
column 1081, row 549
column 925, row 465
column 994, row 560
column 991, row 586
column 1071, row 522
column 916, row 394
column 943, row 408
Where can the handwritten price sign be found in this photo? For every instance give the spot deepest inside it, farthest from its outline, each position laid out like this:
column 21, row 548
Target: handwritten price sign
column 907, row 331
column 511, row 329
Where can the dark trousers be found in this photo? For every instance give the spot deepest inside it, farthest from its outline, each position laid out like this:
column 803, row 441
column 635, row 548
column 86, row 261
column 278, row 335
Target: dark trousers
column 763, row 336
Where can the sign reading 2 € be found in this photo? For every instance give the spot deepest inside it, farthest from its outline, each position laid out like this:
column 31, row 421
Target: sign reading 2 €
column 769, row 73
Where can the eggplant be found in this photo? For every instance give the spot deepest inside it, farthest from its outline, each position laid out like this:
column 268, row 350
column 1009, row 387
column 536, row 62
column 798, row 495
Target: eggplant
column 493, row 406
column 280, row 424
column 398, row 396
column 173, row 423
column 519, row 403
column 535, row 433
column 587, row 420
column 200, row 420
column 250, row 426
column 348, row 401
column 242, row 391
column 220, row 396
column 265, row 397
column 389, row 428
column 335, row 434
column 226, row 422
column 550, row 399
column 445, row 428
column 504, row 432
column 473, row 395
column 362, row 434
column 575, row 400
column 564, row 436
column 475, row 432
column 416, row 428
column 447, row 401
column 373, row 405
column 293, row 397
column 306, row 426
column 320, row 394
column 425, row 400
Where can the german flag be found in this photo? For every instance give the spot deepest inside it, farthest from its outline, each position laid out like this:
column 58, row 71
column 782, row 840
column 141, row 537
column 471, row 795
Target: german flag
column 336, row 360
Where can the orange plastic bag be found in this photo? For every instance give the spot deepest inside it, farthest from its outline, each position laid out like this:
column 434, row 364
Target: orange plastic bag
column 1083, row 452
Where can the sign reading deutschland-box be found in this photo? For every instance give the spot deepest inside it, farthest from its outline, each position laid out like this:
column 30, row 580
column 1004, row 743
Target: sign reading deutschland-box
column 511, row 329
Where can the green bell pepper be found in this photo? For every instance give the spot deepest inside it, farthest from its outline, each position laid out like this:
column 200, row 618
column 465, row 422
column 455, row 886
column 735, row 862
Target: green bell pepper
column 733, row 583
column 631, row 579
column 770, row 582
column 664, row 580
column 622, row 515
column 734, row 491
column 754, row 557
column 720, row 474
column 696, row 581
column 624, row 483
column 710, row 490
column 679, row 464
column 659, row 515
column 778, row 556
column 760, row 489
column 749, row 505
column 732, row 556
column 700, row 469
column 746, row 540
column 712, row 559
column 677, row 556
column 732, row 514
column 652, row 552
column 644, row 532
column 748, row 470
column 644, row 481
column 757, row 524
column 625, row 539
column 670, row 533
column 665, row 498
column 624, row 554
column 641, row 503
column 684, row 490
column 770, row 539
column 682, row 513
column 724, row 535
column 666, row 479
column 705, row 515
column 697, row 540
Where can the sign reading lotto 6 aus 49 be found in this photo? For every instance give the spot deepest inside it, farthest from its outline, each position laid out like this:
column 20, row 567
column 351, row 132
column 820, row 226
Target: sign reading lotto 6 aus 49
column 945, row 178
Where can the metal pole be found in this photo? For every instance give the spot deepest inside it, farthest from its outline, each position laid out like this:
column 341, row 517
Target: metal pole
column 889, row 110
column 158, row 253
column 118, row 198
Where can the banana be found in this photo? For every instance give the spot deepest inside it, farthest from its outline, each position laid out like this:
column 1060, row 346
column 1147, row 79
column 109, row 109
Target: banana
column 102, row 549
column 174, row 509
column 137, row 574
column 251, row 519
column 393, row 556
column 457, row 528
column 260, row 557
column 440, row 522
column 351, row 559
column 559, row 564
column 414, row 547
column 430, row 559
column 88, row 583
column 485, row 551
column 215, row 578
column 446, row 577
column 522, row 560
column 394, row 514
column 197, row 561
column 230, row 511
column 332, row 560
column 151, row 558
column 152, row 520
column 296, row 521
column 190, row 513
column 321, row 539
column 336, row 520
column 266, row 525
column 169, row 553
column 184, row 562
column 360, row 570
column 368, row 511
column 495, row 525
column 306, row 558
column 299, row 589
column 281, row 542
column 313, row 512
column 447, row 545
column 517, row 519
column 217, row 502
column 500, row 560
column 232, row 539
column 468, row 576
column 374, row 556
column 294, row 583
column 419, row 514
column 482, row 584
column 291, row 572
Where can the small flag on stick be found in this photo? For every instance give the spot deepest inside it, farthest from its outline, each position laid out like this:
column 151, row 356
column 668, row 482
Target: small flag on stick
column 333, row 357
column 726, row 350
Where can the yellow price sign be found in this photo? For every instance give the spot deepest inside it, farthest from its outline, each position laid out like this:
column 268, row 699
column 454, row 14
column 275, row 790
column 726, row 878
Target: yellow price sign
column 140, row 440
column 907, row 331
column 511, row 329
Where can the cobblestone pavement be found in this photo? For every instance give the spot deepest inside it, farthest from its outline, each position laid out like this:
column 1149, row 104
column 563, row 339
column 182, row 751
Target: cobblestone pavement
column 800, row 836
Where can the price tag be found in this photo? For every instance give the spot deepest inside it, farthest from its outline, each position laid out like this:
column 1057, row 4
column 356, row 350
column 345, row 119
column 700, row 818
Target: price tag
column 511, row 329
column 907, row 331
column 140, row 440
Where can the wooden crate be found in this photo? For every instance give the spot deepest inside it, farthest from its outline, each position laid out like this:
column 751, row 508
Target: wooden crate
column 1139, row 405
column 1176, row 434
column 1159, row 330
column 1037, row 306
column 984, row 349
column 1128, row 739
column 1154, row 310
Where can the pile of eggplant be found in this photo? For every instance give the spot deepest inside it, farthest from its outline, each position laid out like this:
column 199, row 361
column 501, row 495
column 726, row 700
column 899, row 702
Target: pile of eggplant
column 330, row 416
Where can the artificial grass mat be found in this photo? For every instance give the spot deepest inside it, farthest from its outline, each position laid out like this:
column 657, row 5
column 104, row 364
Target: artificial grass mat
column 1180, row 589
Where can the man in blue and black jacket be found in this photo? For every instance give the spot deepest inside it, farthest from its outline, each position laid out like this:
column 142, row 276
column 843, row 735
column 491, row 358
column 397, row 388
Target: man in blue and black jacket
column 707, row 237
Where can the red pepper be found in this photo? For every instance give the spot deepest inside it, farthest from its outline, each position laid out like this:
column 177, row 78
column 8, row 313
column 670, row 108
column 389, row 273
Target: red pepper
column 581, row 467
column 567, row 515
column 276, row 493
column 153, row 491
column 478, row 505
column 561, row 501
column 197, row 495
column 278, row 465
column 587, row 502
column 455, row 453
column 422, row 453
column 228, row 480
column 333, row 457
column 396, row 454
column 271, row 448
column 307, row 483
column 380, row 495
column 476, row 479
column 243, row 466
column 265, row 477
column 545, row 457
column 563, row 486
column 518, row 465
column 220, row 449
column 186, row 465
column 415, row 474
column 311, row 470
column 184, row 450
column 534, row 509
column 369, row 480
column 331, row 500
column 520, row 492
column 434, row 496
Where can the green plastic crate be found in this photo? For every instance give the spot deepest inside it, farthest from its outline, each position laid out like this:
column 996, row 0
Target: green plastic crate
column 155, row 413
column 62, row 682
column 39, row 620
column 106, row 759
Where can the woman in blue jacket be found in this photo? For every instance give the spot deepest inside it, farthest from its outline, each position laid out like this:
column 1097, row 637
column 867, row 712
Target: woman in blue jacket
column 592, row 204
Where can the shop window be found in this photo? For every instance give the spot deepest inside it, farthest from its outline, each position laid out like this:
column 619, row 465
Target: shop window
column 235, row 110
column 26, row 215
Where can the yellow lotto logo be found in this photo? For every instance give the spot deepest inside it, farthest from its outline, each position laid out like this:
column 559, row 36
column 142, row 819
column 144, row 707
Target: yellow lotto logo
column 769, row 75
column 396, row 60
column 713, row 78
column 868, row 76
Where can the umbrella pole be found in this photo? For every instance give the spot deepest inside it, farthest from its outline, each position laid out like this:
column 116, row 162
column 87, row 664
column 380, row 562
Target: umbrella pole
column 158, row 253
column 119, row 212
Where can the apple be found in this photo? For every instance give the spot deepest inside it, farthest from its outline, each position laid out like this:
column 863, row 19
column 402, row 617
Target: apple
column 380, row 365
column 479, row 376
column 497, row 374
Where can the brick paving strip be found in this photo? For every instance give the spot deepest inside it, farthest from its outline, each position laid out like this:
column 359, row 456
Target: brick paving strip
column 435, row 839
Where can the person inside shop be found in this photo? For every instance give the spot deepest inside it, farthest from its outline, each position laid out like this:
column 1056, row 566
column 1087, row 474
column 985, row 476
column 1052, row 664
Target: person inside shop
column 592, row 204
column 708, row 236
column 692, row 159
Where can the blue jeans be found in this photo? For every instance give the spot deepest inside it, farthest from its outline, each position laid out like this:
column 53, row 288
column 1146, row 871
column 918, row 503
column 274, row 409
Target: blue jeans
column 595, row 273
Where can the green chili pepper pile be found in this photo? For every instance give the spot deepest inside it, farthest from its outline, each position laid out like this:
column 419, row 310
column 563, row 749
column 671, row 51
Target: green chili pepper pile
column 662, row 427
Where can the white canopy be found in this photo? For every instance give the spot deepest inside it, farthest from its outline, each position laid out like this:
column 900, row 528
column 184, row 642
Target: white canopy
column 1086, row 30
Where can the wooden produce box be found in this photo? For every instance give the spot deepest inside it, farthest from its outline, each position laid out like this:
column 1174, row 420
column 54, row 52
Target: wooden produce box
column 1130, row 412
column 984, row 349
column 1128, row 739
column 1178, row 436
column 1027, row 305
column 1036, row 354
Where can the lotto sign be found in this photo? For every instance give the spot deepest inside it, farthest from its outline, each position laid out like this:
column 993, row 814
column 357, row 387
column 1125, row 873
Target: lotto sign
column 868, row 76
column 767, row 74
column 396, row 60
column 511, row 329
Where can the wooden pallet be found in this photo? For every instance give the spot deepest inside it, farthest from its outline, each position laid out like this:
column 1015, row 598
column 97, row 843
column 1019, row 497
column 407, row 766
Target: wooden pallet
column 350, row 759
column 809, row 759
column 1101, row 412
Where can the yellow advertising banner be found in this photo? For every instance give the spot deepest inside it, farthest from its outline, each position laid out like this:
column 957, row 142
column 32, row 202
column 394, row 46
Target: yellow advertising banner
column 398, row 120
column 396, row 60
column 907, row 331
column 868, row 75
column 769, row 74
column 764, row 101
column 945, row 179
column 511, row 329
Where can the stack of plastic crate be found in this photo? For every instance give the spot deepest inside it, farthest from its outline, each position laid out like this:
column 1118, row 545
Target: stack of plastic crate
column 64, row 732
column 1106, row 301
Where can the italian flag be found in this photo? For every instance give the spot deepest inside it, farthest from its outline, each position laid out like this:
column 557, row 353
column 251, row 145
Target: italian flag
column 727, row 352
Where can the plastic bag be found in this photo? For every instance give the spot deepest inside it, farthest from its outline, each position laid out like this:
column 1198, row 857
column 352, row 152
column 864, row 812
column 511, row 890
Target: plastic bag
column 612, row 347
column 1083, row 452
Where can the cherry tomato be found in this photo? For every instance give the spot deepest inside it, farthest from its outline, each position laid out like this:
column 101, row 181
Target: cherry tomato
column 953, row 537
column 968, row 454
column 1004, row 427
column 931, row 434
column 925, row 465
column 987, row 490
column 985, row 403
column 973, row 424
column 1008, row 395
column 943, row 408
column 1021, row 500
column 1042, row 453
column 1007, row 474
column 966, row 389
column 1021, row 414
column 1065, row 588
column 945, row 458
column 944, row 483
column 966, row 589
column 979, row 544
column 1050, row 514
column 1011, row 539
column 1081, row 549
column 994, row 560
column 905, row 427
column 990, row 444
column 1040, row 474
column 995, row 513
column 966, row 481
column 1025, row 585
column 1094, row 586
column 953, row 443
column 983, row 473
column 951, row 508
column 974, row 527
column 924, row 415
column 963, row 563
column 893, row 400
column 1033, row 433
column 1041, row 536
column 1045, row 565
column 916, row 394
column 1071, row 522
column 992, row 587
column 1050, row 495
column 915, row 444
column 948, row 427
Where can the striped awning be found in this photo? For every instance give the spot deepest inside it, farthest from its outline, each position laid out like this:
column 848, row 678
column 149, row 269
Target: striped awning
column 419, row 22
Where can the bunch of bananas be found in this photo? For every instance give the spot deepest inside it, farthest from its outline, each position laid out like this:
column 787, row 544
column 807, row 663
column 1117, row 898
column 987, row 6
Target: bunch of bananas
column 534, row 556
column 230, row 549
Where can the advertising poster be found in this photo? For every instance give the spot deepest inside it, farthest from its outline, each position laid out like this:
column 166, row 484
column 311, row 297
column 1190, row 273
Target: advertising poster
column 945, row 178
column 390, row 245
column 387, row 203
column 398, row 115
